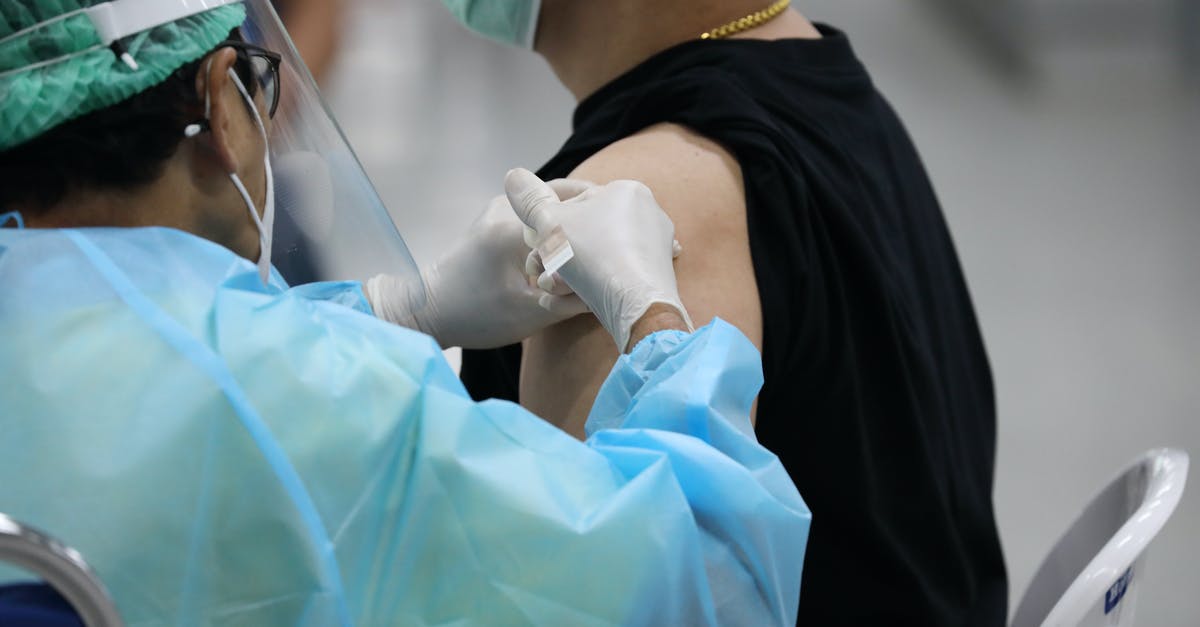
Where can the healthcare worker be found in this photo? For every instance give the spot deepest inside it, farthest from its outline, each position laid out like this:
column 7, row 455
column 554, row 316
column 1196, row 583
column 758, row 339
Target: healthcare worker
column 224, row 449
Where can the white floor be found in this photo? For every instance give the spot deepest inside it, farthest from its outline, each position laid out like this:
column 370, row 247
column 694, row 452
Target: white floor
column 1075, row 203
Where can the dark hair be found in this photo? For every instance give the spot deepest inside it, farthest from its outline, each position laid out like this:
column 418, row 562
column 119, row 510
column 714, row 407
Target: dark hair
column 119, row 147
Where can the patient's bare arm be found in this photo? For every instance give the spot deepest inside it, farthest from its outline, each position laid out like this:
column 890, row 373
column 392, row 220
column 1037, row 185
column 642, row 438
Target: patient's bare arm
column 657, row 318
column 699, row 185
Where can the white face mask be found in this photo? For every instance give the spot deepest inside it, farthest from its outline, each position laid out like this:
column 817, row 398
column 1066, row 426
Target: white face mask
column 265, row 223
column 511, row 22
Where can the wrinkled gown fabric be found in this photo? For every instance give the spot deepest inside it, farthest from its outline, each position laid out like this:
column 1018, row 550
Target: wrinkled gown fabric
column 231, row 453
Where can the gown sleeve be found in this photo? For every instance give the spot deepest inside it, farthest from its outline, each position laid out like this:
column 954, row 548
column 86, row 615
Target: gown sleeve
column 669, row 513
column 228, row 453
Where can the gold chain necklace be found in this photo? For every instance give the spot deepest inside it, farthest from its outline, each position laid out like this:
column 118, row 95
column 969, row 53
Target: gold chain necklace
column 758, row 18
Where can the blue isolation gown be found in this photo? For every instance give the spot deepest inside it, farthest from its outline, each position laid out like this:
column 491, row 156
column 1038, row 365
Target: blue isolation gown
column 224, row 452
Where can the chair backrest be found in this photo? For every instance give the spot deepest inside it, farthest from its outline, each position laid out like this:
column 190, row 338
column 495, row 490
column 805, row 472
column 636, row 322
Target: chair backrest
column 1090, row 576
column 61, row 567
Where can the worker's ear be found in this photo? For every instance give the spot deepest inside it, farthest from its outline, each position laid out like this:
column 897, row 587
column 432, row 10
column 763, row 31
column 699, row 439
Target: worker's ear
column 227, row 118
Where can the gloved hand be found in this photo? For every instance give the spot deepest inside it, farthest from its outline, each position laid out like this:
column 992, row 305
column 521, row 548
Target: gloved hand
column 623, row 247
column 477, row 294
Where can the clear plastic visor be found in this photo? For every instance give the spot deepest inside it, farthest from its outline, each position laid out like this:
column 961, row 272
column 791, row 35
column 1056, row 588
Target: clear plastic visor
column 330, row 223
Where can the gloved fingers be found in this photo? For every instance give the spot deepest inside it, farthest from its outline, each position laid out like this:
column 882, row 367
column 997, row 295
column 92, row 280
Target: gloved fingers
column 497, row 212
column 535, row 274
column 529, row 197
column 558, row 286
column 553, row 283
column 533, row 265
column 676, row 249
column 565, row 306
column 566, row 189
column 496, row 204
column 570, row 188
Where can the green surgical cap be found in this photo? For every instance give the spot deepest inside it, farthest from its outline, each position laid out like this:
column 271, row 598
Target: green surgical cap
column 59, row 71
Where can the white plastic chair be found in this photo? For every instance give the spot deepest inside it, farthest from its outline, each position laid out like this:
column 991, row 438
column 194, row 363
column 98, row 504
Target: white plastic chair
column 1091, row 576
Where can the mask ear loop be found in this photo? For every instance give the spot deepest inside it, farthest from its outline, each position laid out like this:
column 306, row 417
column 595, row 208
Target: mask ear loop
column 265, row 224
column 194, row 129
column 14, row 216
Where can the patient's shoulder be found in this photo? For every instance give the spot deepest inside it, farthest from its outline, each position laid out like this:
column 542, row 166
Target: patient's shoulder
column 699, row 184
column 687, row 172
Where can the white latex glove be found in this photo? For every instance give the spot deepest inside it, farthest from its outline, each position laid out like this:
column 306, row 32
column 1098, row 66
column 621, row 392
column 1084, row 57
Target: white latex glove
column 623, row 246
column 477, row 294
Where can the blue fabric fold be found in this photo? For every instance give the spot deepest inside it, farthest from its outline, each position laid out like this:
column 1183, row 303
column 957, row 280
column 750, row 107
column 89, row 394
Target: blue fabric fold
column 226, row 452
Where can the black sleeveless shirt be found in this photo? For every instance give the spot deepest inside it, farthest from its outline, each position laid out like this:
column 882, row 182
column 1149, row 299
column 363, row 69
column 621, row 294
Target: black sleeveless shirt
column 878, row 395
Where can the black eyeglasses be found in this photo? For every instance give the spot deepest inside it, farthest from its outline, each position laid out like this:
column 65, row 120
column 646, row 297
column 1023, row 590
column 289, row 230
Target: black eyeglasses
column 259, row 69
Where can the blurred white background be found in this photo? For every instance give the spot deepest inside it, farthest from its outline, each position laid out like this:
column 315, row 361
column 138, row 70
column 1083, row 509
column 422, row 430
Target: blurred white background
column 1072, row 186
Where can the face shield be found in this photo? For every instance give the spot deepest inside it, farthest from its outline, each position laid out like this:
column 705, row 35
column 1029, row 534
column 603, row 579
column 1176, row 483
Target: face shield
column 60, row 59
column 329, row 221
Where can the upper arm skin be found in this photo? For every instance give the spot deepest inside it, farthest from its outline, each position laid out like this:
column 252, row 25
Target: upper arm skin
column 699, row 184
